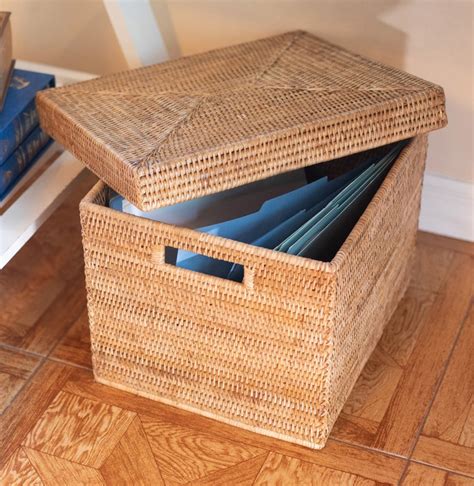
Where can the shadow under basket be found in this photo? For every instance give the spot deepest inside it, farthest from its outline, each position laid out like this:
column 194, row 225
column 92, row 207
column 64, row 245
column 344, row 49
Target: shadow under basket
column 277, row 353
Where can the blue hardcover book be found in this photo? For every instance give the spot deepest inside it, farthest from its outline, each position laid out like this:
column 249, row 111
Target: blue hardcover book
column 21, row 159
column 19, row 117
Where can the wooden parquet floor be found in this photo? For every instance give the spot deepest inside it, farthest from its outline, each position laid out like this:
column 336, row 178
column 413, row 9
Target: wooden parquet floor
column 409, row 419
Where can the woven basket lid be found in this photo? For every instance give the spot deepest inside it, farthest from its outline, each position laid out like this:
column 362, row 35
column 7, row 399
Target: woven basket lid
column 175, row 131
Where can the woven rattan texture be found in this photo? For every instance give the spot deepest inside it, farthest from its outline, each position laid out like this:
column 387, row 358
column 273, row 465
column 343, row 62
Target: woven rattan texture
column 197, row 125
column 368, row 261
column 278, row 353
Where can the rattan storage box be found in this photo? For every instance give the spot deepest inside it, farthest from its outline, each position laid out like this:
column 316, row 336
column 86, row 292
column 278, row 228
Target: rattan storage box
column 279, row 352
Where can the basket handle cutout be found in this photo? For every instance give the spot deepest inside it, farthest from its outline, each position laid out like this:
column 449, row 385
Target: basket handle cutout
column 203, row 264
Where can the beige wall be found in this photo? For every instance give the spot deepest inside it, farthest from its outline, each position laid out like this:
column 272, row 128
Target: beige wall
column 429, row 38
column 74, row 34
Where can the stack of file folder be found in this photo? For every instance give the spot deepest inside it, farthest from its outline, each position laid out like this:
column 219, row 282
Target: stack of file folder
column 290, row 213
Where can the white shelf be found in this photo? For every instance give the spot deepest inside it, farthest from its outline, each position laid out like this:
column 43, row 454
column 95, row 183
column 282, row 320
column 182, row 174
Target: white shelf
column 29, row 211
column 63, row 76
column 21, row 221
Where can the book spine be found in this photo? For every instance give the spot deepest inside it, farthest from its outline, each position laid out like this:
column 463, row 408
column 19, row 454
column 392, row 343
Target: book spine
column 17, row 131
column 21, row 158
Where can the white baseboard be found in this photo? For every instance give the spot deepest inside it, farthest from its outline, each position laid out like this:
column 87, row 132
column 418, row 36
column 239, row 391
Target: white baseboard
column 447, row 207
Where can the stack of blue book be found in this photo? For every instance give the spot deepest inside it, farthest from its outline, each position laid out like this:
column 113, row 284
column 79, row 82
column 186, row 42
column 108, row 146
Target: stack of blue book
column 287, row 213
column 21, row 139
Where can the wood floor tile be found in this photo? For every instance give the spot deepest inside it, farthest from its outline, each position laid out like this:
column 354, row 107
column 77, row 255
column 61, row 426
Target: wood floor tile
column 243, row 474
column 374, row 390
column 55, row 471
column 355, row 430
column 15, row 369
column 59, row 317
column 360, row 462
column 9, row 386
column 28, row 406
column 447, row 438
column 91, row 428
column 409, row 405
column 37, row 276
column 446, row 242
column 401, row 335
column 421, row 475
column 279, row 469
column 79, row 430
column 184, row 454
column 439, row 452
column 432, row 265
column 75, row 346
column 18, row 471
column 132, row 460
column 31, row 295
column 451, row 417
column 59, row 239
column 371, row 395
column 392, row 396
column 17, row 364
column 457, row 480
column 336, row 455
